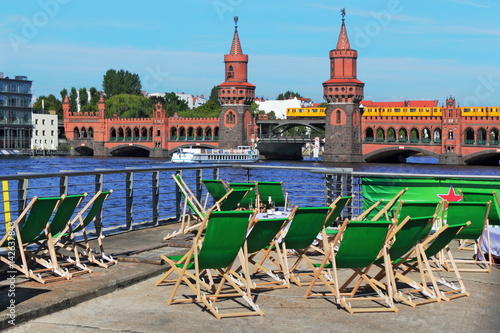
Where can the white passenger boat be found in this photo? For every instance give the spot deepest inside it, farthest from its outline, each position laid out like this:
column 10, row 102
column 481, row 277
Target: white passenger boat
column 242, row 154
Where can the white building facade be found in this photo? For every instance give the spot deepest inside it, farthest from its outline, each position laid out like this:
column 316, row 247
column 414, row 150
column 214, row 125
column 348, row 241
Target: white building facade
column 45, row 135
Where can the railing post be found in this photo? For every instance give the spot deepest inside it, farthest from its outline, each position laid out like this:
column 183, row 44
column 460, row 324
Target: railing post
column 129, row 198
column 329, row 189
column 155, row 188
column 178, row 198
column 99, row 185
column 199, row 176
column 216, row 173
column 63, row 185
column 22, row 194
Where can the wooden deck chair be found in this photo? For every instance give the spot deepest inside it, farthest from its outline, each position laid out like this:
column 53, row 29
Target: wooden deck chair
column 67, row 239
column 31, row 223
column 493, row 216
column 434, row 244
column 250, row 200
column 225, row 233
column 338, row 206
column 191, row 203
column 306, row 224
column 228, row 201
column 386, row 211
column 263, row 232
column 402, row 242
column 477, row 213
column 415, row 208
column 359, row 244
column 216, row 188
column 55, row 230
column 272, row 193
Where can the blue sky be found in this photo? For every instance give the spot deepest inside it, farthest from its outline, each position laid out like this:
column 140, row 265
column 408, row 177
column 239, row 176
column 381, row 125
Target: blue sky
column 408, row 49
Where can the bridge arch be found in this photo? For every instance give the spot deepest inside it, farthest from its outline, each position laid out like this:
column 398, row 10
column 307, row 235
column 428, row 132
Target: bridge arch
column 173, row 133
column 130, row 150
column 112, row 134
column 285, row 127
column 144, row 134
column 199, row 133
column 493, row 136
column 121, row 134
column 403, row 135
column 469, row 136
column 396, row 155
column 369, row 134
column 208, row 133
column 483, row 157
column 414, row 135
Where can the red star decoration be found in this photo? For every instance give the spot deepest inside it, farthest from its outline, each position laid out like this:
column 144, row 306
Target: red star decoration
column 451, row 196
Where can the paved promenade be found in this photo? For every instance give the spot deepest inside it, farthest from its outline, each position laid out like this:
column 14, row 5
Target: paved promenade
column 125, row 298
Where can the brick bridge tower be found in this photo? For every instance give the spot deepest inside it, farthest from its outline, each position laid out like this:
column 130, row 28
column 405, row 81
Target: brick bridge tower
column 343, row 92
column 236, row 95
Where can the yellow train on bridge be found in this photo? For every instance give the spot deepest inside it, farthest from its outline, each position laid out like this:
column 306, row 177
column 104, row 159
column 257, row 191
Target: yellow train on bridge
column 316, row 112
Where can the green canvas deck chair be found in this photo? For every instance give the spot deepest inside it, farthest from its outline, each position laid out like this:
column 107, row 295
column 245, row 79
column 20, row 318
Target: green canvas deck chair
column 386, row 212
column 401, row 244
column 338, row 206
column 494, row 214
column 263, row 232
column 306, row 224
column 224, row 235
column 57, row 226
column 216, row 188
column 415, row 208
column 191, row 204
column 425, row 281
column 250, row 200
column 31, row 223
column 477, row 213
column 79, row 224
column 356, row 246
column 224, row 197
column 229, row 201
column 272, row 193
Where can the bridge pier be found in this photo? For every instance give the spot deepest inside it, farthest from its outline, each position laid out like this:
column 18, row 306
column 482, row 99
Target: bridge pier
column 450, row 158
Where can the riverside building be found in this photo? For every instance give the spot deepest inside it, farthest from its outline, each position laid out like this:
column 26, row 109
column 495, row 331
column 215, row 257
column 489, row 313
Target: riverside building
column 15, row 113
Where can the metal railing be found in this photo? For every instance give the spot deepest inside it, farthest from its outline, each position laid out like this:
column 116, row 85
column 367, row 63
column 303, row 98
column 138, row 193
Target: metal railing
column 149, row 196
column 145, row 197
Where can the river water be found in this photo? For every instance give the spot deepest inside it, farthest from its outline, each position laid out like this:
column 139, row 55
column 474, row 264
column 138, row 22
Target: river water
column 10, row 165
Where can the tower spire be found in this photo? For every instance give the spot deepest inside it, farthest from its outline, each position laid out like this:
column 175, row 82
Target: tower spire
column 236, row 45
column 343, row 42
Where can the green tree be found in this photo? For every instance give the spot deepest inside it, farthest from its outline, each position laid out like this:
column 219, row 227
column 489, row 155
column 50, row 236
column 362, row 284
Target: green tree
column 49, row 103
column 174, row 104
column 121, row 82
column 83, row 96
column 323, row 105
column 207, row 110
column 214, row 95
column 288, row 94
column 129, row 106
column 63, row 93
column 73, row 99
column 95, row 95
